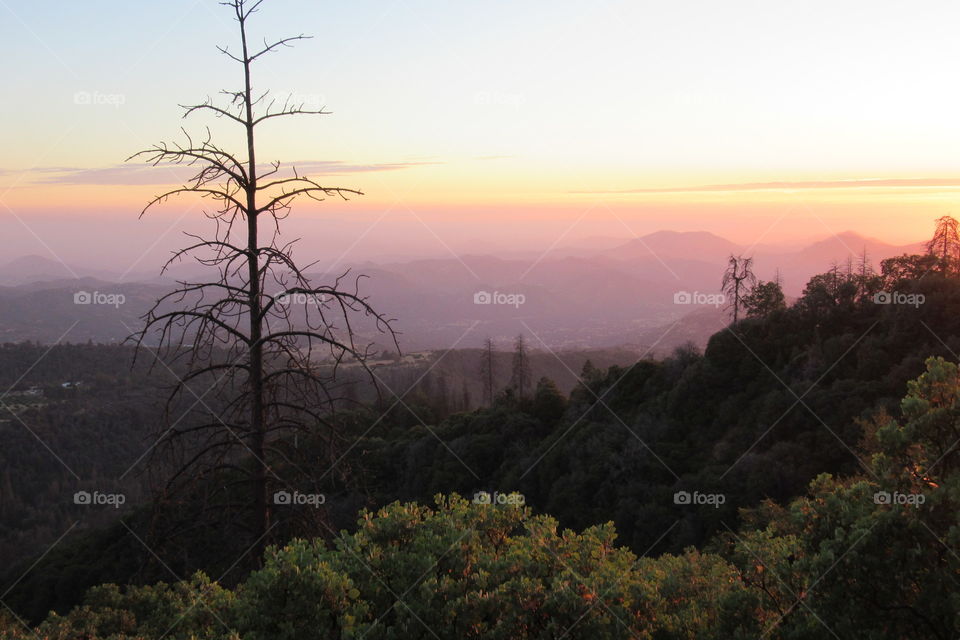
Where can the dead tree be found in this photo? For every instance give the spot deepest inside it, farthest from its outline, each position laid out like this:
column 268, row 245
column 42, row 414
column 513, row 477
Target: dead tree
column 866, row 276
column 487, row 371
column 737, row 281
column 265, row 340
column 520, row 375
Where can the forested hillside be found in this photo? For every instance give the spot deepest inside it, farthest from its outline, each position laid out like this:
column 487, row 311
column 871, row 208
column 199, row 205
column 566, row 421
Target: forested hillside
column 774, row 402
column 864, row 555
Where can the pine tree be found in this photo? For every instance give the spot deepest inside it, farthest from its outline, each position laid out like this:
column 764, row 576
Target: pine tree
column 945, row 245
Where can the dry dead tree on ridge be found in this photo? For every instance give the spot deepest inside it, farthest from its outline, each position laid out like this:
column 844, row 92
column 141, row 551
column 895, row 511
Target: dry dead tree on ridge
column 265, row 342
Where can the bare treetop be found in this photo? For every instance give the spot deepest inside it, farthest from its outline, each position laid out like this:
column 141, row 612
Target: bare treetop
column 270, row 339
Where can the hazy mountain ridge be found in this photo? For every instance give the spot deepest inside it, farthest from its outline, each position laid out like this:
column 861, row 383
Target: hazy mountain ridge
column 592, row 297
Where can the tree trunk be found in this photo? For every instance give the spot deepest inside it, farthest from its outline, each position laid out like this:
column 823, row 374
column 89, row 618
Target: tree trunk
column 257, row 419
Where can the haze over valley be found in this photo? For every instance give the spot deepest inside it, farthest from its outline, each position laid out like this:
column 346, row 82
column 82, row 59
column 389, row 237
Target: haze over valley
column 633, row 281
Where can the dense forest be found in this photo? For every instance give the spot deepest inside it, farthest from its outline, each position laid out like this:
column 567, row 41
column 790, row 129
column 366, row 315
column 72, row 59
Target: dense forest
column 802, row 417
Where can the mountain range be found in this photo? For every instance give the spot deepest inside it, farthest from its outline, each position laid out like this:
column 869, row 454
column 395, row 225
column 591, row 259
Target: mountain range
column 602, row 292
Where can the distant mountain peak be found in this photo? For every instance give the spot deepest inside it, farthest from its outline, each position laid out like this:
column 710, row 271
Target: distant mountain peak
column 858, row 237
column 33, row 268
column 698, row 245
column 667, row 233
column 32, row 260
column 848, row 241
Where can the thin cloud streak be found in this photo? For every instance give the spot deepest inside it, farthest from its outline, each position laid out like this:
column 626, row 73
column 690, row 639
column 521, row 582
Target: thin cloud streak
column 856, row 183
column 133, row 175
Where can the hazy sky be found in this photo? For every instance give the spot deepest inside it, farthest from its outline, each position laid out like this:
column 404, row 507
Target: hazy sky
column 473, row 125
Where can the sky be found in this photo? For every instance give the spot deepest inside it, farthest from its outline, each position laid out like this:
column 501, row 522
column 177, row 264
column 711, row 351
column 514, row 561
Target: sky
column 473, row 126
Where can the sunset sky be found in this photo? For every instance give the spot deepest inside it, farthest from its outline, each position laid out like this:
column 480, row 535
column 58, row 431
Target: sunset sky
column 473, row 126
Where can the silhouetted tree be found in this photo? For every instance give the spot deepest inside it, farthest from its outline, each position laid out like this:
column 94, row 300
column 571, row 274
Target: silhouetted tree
column 590, row 375
column 827, row 291
column 906, row 267
column 866, row 278
column 487, row 371
column 264, row 340
column 549, row 403
column 737, row 281
column 520, row 369
column 764, row 299
column 945, row 245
